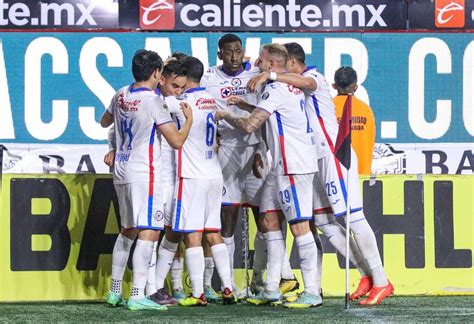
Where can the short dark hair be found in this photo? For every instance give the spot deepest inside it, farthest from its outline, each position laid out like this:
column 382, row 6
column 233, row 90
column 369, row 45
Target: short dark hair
column 345, row 76
column 174, row 67
column 228, row 38
column 179, row 55
column 295, row 51
column 144, row 63
column 194, row 68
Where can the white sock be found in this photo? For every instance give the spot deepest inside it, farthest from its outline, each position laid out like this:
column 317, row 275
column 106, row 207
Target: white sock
column 195, row 264
column 141, row 261
column 150, row 283
column 319, row 247
column 166, row 253
column 365, row 239
column 276, row 251
column 259, row 257
column 308, row 261
column 220, row 256
column 230, row 245
column 177, row 273
column 336, row 235
column 120, row 256
column 286, row 271
column 208, row 271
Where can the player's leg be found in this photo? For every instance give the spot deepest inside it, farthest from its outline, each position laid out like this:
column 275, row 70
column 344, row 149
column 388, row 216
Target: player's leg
column 120, row 255
column 366, row 241
column 194, row 257
column 209, row 292
column 177, row 273
column 122, row 246
column 188, row 217
column 319, row 247
column 288, row 283
column 296, row 199
column 330, row 190
column 150, row 288
column 166, row 253
column 148, row 218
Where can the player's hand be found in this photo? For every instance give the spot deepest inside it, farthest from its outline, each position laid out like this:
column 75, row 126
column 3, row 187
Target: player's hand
column 109, row 158
column 257, row 80
column 220, row 115
column 187, row 110
column 235, row 100
column 257, row 165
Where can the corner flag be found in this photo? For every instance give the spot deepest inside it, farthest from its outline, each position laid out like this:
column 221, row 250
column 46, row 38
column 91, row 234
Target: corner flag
column 343, row 140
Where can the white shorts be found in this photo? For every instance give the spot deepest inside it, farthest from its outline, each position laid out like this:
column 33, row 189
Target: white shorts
column 292, row 194
column 240, row 185
column 331, row 190
column 168, row 195
column 197, row 205
column 140, row 206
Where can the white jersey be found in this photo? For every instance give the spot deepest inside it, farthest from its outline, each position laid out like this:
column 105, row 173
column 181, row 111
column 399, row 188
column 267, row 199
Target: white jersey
column 167, row 164
column 221, row 86
column 137, row 112
column 290, row 136
column 320, row 102
column 197, row 158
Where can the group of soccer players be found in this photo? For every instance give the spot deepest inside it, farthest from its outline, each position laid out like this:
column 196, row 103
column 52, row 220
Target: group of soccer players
column 189, row 149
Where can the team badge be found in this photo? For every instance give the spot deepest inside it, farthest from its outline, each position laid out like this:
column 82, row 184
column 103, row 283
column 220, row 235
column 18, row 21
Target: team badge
column 265, row 95
column 159, row 215
column 236, row 82
column 226, row 92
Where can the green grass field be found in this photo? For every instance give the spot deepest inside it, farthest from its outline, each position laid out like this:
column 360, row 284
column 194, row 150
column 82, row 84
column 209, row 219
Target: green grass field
column 394, row 309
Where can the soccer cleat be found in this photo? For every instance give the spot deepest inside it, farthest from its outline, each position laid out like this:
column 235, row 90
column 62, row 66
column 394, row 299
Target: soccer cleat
column 305, row 300
column 256, row 287
column 228, row 297
column 193, row 301
column 377, row 294
column 162, row 297
column 241, row 294
column 365, row 284
column 115, row 300
column 179, row 294
column 211, row 295
column 288, row 285
column 265, row 297
column 144, row 304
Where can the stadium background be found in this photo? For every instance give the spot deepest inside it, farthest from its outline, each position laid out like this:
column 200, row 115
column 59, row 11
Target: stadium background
column 58, row 210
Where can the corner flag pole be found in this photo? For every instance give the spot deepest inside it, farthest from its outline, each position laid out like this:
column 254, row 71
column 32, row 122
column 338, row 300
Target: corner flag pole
column 343, row 154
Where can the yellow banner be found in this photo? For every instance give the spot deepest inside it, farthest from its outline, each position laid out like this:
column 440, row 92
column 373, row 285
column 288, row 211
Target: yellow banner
column 58, row 231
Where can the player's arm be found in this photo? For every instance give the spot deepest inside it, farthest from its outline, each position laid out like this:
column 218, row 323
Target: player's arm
column 109, row 158
column 174, row 137
column 240, row 103
column 297, row 80
column 107, row 119
column 249, row 124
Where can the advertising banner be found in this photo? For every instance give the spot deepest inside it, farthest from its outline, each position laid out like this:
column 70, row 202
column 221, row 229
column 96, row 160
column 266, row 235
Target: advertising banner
column 248, row 15
column 60, row 14
column 58, row 232
column 441, row 14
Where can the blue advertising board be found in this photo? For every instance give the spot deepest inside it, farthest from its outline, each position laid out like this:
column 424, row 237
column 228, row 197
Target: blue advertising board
column 55, row 86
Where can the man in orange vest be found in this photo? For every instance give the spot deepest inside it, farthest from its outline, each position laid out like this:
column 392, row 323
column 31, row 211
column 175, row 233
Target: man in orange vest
column 363, row 121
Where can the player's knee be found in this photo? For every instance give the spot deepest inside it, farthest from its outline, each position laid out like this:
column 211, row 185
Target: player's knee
column 130, row 233
column 268, row 222
column 299, row 228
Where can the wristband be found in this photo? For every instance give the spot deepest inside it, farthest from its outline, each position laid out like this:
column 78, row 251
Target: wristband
column 273, row 76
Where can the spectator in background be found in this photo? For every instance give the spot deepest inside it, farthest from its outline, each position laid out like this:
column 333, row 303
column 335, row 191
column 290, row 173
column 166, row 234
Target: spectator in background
column 363, row 121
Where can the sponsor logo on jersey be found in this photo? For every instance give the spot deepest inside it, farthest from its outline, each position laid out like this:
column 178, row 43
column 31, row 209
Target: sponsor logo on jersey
column 449, row 13
column 157, row 14
column 205, row 103
column 229, row 91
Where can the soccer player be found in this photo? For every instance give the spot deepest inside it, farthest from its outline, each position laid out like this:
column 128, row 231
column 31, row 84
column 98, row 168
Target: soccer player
column 199, row 191
column 363, row 122
column 138, row 113
column 288, row 189
column 237, row 152
column 331, row 192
